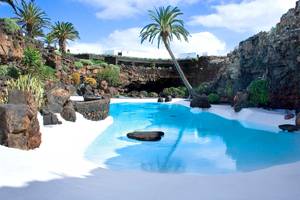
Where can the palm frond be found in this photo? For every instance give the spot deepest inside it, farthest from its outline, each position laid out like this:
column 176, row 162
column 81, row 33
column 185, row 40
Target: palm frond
column 166, row 25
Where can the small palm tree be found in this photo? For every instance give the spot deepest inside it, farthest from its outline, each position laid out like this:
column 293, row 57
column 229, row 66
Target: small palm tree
column 166, row 25
column 32, row 19
column 50, row 39
column 11, row 3
column 64, row 31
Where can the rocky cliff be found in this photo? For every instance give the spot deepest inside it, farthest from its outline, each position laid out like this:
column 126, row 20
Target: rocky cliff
column 12, row 44
column 139, row 78
column 274, row 56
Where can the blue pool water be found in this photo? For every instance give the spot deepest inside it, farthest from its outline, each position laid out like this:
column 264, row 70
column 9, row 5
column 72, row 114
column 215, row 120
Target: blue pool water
column 200, row 142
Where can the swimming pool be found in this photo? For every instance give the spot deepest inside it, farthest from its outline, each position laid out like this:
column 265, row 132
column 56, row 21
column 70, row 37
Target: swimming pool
column 201, row 142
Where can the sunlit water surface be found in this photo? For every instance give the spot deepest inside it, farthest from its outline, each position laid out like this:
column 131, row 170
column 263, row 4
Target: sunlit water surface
column 200, row 142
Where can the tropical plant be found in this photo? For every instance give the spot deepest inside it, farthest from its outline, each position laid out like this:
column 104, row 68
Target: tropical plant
column 87, row 62
column 32, row 19
column 30, row 84
column 229, row 89
column 111, row 74
column 167, row 25
column 78, row 64
column 179, row 92
column 49, row 39
column 64, row 31
column 203, row 88
column 32, row 60
column 47, row 73
column 259, row 92
column 34, row 65
column 11, row 25
column 10, row 71
column 213, row 98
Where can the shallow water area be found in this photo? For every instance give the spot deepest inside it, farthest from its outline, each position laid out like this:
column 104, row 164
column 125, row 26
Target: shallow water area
column 194, row 142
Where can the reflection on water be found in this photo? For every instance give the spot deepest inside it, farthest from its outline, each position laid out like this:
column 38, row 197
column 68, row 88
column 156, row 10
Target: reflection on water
column 193, row 142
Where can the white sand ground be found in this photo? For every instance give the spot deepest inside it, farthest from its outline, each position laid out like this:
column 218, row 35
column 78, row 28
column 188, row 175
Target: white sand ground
column 58, row 170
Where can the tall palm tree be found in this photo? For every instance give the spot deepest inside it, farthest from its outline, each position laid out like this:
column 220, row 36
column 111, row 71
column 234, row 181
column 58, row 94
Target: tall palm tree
column 11, row 3
column 166, row 25
column 64, row 31
column 32, row 19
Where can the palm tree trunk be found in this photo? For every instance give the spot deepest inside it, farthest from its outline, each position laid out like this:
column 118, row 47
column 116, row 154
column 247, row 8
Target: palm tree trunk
column 62, row 46
column 179, row 70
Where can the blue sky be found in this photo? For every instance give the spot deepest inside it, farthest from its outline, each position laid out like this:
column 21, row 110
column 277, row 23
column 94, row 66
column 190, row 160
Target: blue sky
column 216, row 26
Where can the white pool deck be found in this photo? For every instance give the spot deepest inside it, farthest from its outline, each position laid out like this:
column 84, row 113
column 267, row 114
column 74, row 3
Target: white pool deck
column 58, row 170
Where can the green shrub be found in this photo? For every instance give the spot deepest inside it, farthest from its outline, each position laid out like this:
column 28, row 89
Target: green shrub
column 47, row 73
column 31, row 84
column 86, row 62
column 10, row 71
column 98, row 62
column 229, row 89
column 203, row 88
column 213, row 98
column 78, row 64
column 153, row 94
column 11, row 25
column 179, row 92
column 259, row 92
column 111, row 74
column 3, row 70
column 34, row 65
column 32, row 60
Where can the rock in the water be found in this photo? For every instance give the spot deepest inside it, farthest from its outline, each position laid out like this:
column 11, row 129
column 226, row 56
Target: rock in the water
column 200, row 102
column 240, row 101
column 151, row 136
column 68, row 113
column 50, row 119
column 289, row 127
column 93, row 110
column 289, row 116
column 19, row 127
column 160, row 100
column 168, row 99
column 298, row 119
column 92, row 98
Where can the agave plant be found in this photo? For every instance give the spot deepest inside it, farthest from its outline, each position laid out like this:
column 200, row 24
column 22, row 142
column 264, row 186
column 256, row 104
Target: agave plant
column 167, row 25
column 32, row 19
column 30, row 84
column 64, row 31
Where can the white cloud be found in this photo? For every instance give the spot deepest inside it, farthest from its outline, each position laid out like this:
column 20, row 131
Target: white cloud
column 249, row 15
column 128, row 8
column 128, row 40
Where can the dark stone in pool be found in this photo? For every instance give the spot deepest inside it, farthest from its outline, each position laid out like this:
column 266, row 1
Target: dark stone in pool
column 92, row 98
column 150, row 136
column 289, row 127
column 160, row 100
